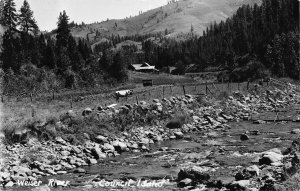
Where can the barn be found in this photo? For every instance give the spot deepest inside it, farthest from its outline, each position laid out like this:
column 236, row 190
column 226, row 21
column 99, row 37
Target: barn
column 145, row 67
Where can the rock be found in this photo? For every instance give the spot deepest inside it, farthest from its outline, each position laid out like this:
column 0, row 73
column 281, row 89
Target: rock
column 4, row 175
column 242, row 183
column 108, row 147
column 41, row 188
column 270, row 157
column 86, row 136
column 185, row 182
column 195, row 173
column 87, row 111
column 142, row 103
column 79, row 170
column 243, row 175
column 65, row 153
column 49, row 171
column 275, row 150
column 157, row 138
column 21, row 170
column 119, row 146
column 101, row 139
column 179, row 135
column 164, row 149
column 254, row 170
column 76, row 150
column 156, row 100
column 61, row 172
column 144, row 141
column 92, row 161
column 9, row 184
column 71, row 114
column 259, row 122
column 295, row 131
column 97, row 153
column 244, row 137
column 60, row 140
column 268, row 187
column 212, row 121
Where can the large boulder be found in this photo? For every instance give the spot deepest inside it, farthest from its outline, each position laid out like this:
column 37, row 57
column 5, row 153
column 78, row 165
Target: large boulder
column 195, row 173
column 97, row 153
column 108, row 147
column 119, row 146
column 101, row 139
column 295, row 131
column 270, row 157
column 179, row 135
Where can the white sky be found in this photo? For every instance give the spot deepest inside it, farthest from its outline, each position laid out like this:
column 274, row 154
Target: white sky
column 46, row 12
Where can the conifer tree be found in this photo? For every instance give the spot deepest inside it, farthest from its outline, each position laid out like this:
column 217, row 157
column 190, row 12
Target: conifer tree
column 63, row 31
column 9, row 14
column 26, row 20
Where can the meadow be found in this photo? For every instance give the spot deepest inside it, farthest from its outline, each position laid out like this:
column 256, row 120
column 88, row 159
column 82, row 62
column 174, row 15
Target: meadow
column 18, row 111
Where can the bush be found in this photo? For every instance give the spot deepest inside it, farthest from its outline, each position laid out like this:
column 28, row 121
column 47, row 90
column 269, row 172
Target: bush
column 177, row 122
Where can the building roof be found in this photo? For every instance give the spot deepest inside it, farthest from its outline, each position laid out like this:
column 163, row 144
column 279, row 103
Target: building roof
column 144, row 66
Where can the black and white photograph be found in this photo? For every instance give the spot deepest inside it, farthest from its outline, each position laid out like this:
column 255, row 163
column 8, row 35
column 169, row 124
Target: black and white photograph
column 149, row 95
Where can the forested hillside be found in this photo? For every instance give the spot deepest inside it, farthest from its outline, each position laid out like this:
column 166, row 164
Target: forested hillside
column 256, row 41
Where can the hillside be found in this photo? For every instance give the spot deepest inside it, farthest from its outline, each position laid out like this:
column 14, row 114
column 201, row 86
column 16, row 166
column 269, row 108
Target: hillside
column 175, row 17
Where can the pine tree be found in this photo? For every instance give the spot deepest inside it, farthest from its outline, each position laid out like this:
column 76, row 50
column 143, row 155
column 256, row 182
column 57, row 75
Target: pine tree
column 9, row 14
column 26, row 20
column 75, row 56
column 62, row 40
column 1, row 12
column 118, row 69
column 63, row 31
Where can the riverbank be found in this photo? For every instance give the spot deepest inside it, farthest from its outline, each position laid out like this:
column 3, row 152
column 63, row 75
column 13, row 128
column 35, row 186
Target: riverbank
column 215, row 128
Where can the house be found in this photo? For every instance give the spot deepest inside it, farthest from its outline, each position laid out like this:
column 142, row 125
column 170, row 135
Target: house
column 147, row 68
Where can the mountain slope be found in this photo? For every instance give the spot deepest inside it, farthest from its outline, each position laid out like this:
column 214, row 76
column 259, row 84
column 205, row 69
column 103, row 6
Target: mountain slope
column 176, row 17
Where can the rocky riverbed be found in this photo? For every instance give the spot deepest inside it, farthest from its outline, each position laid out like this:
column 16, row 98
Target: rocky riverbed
column 225, row 145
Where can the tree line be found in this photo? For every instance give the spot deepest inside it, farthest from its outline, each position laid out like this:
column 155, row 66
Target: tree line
column 35, row 62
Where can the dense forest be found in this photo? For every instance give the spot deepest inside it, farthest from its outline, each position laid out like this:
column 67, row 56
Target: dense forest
column 257, row 41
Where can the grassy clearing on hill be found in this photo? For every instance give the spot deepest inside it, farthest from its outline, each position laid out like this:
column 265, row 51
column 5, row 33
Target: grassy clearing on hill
column 177, row 18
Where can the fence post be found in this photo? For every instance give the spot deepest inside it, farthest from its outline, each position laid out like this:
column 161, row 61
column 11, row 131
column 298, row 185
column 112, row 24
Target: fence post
column 163, row 92
column 248, row 84
column 206, row 88
column 71, row 103
column 137, row 99
column 31, row 97
column 228, row 84
column 52, row 95
column 183, row 89
column 32, row 112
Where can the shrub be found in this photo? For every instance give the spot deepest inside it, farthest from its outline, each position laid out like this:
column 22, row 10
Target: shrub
column 177, row 122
